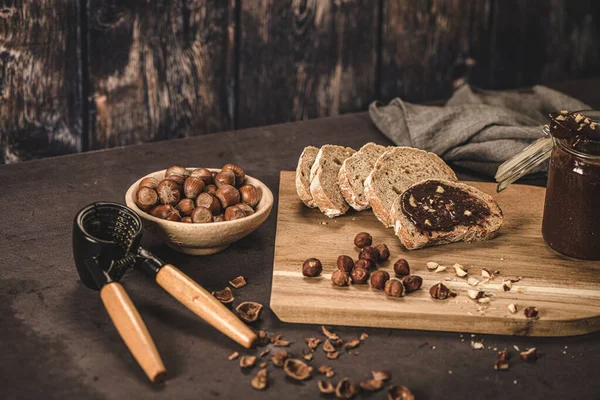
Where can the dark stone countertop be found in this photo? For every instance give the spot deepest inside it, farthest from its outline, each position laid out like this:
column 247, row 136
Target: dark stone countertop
column 57, row 341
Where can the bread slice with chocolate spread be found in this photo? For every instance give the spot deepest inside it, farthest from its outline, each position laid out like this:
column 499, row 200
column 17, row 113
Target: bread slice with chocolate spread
column 436, row 211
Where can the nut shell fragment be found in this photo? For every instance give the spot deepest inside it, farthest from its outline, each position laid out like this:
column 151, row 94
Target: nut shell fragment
column 345, row 389
column 259, row 382
column 441, row 292
column 279, row 358
column 372, row 385
column 400, row 392
column 238, row 282
column 529, row 355
column 531, row 312
column 380, row 375
column 247, row 361
column 326, row 387
column 329, row 334
column 249, row 311
column 225, row 296
column 297, row 369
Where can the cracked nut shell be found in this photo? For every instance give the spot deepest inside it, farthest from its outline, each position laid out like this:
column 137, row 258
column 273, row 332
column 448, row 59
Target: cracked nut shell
column 363, row 239
column 378, row 279
column 297, row 369
column 400, row 392
column 531, row 312
column 312, row 267
column 225, row 296
column 412, row 283
column 345, row 264
column 340, row 278
column 260, row 381
column 401, row 267
column 249, row 311
column 326, row 387
column 345, row 389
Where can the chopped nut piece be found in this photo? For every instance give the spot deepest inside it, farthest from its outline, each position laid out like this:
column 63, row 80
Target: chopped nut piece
column 279, row 358
column 439, row 189
column 560, row 118
column 578, row 117
column 307, row 355
column 247, row 361
column 512, row 308
column 313, row 343
column 483, row 300
column 330, row 335
column 336, row 342
column 486, row 273
column 345, row 389
column 506, row 285
column 372, row 385
column 224, row 296
column 326, row 387
column 380, row 375
column 233, row 356
column 399, row 392
column 503, row 355
column 249, row 311
column 441, row 292
column 475, row 294
column 467, row 213
column 440, row 268
column 364, row 336
column 238, row 282
column 460, row 270
column 529, row 355
column 281, row 343
column 565, row 112
column 259, row 382
column 333, row 355
column 297, row 369
column 328, row 371
column 432, row 265
column 472, row 281
column 531, row 312
column 263, row 364
column 264, row 352
column 501, row 365
column 328, row 347
column 412, row 201
column 477, row 345
column 263, row 337
column 351, row 344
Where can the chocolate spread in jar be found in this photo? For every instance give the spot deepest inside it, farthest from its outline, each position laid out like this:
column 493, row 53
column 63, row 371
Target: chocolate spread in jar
column 571, row 223
column 435, row 206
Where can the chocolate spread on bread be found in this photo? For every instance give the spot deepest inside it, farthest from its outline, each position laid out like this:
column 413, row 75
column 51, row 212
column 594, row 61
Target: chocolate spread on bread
column 435, row 206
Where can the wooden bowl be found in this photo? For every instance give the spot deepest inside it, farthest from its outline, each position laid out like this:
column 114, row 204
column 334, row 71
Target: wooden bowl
column 203, row 239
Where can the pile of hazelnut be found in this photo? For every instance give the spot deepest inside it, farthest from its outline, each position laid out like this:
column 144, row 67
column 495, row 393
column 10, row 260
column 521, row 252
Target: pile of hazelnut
column 198, row 196
column 359, row 271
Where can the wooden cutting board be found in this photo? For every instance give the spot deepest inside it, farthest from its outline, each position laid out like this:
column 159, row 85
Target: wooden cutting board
column 565, row 291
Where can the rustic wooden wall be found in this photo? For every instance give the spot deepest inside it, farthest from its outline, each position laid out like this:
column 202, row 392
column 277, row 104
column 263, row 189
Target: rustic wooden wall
column 173, row 68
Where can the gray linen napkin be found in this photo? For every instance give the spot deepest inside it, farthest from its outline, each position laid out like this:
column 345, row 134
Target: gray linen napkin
column 476, row 129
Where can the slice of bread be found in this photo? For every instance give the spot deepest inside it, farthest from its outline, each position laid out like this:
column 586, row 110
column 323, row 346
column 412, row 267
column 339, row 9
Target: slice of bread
column 324, row 186
column 355, row 170
column 305, row 163
column 395, row 171
column 475, row 227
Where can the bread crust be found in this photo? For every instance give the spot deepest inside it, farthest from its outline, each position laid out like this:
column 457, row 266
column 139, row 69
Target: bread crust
column 302, row 187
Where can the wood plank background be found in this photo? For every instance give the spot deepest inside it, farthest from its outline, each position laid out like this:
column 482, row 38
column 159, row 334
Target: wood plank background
column 77, row 75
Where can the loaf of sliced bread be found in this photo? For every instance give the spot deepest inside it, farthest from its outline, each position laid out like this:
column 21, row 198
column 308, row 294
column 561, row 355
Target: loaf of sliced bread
column 354, row 171
column 305, row 163
column 436, row 211
column 395, row 171
column 324, row 186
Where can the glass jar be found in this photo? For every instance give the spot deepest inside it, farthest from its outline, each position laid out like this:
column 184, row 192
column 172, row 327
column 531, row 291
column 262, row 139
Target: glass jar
column 571, row 222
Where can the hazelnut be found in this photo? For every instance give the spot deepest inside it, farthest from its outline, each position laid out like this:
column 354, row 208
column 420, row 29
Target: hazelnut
column 192, row 187
column 369, row 253
column 211, row 189
column 412, row 283
column 378, row 279
column 339, row 278
column 204, row 174
column 531, row 312
column 234, row 212
column 363, row 239
column 225, row 178
column 240, row 175
column 219, row 218
column 166, row 211
column 384, row 252
column 214, row 174
column 245, row 208
column 177, row 170
column 249, row 195
column 146, row 198
column 168, row 192
column 365, row 264
column 359, row 276
column 312, row 267
column 201, row 215
column 227, row 195
column 149, row 182
column 185, row 207
column 209, row 201
column 345, row 263
column 178, row 179
column 529, row 355
column 394, row 288
column 440, row 292
column 187, row 220
column 401, row 267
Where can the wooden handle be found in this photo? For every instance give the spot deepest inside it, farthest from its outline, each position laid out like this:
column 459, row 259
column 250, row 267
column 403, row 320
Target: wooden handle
column 133, row 331
column 204, row 305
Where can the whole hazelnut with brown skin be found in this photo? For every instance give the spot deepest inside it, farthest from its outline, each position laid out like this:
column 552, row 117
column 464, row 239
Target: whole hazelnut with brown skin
column 312, row 267
column 440, row 292
column 187, row 220
column 185, row 207
column 168, row 192
column 369, row 253
column 401, row 267
column 245, row 208
column 177, row 170
column 340, row 278
column 412, row 283
column 384, row 252
column 148, row 182
column 394, row 288
column 345, row 263
column 240, row 175
column 363, row 239
column 228, row 196
column 146, row 198
column 211, row 189
column 233, row 213
column 378, row 279
column 204, row 174
column 225, row 178
column 166, row 211
column 201, row 215
column 249, row 195
column 192, row 187
column 209, row 201
column 178, row 179
column 365, row 264
column 359, row 276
